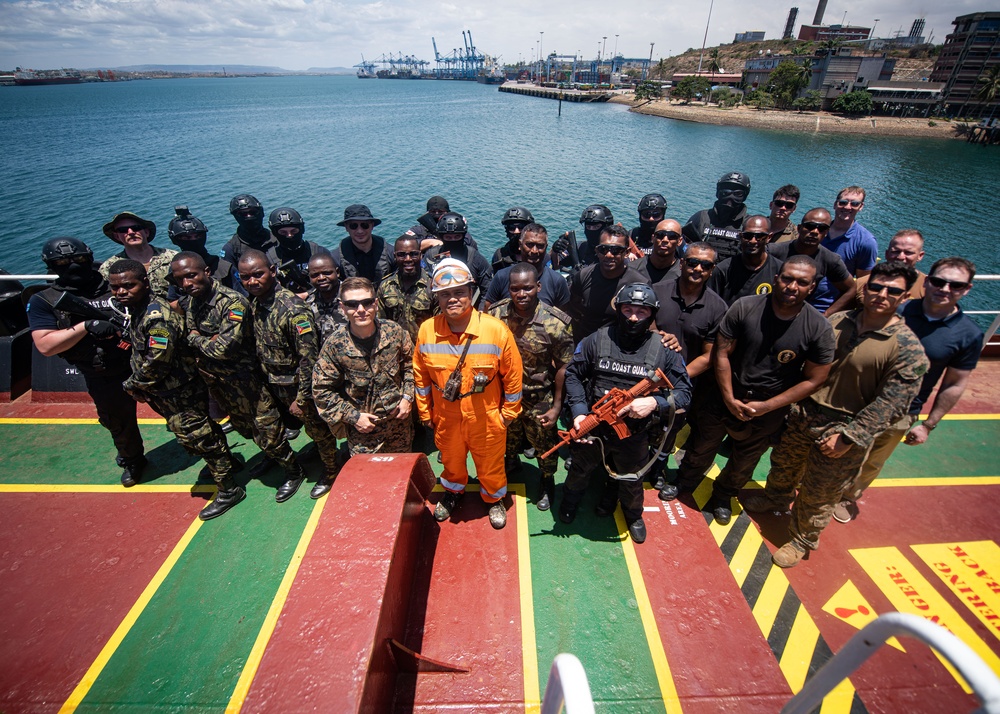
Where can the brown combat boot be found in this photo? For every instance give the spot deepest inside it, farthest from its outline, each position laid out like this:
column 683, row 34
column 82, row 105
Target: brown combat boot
column 788, row 555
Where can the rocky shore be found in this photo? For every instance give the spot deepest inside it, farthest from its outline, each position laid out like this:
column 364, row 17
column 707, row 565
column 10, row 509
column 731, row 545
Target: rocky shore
column 813, row 122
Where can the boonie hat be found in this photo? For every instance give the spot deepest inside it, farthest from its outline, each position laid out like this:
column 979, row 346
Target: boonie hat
column 148, row 225
column 437, row 203
column 450, row 273
column 358, row 212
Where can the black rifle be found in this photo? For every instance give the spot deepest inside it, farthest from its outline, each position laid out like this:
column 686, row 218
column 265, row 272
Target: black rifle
column 68, row 302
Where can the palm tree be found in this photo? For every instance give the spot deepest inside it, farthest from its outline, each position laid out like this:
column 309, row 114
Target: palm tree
column 990, row 89
column 805, row 73
column 713, row 66
column 829, row 47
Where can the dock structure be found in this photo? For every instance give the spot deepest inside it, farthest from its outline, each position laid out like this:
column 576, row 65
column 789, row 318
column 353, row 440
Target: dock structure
column 987, row 132
column 568, row 95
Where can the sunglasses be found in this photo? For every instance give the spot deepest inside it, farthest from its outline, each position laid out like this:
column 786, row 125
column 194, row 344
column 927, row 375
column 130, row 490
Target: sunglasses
column 408, row 254
column 615, row 250
column 734, row 192
column 955, row 285
column 784, row 204
column 367, row 304
column 876, row 288
column 672, row 235
column 122, row 230
column 63, row 262
column 842, row 202
column 363, row 225
column 821, row 227
column 697, row 262
column 651, row 214
column 747, row 235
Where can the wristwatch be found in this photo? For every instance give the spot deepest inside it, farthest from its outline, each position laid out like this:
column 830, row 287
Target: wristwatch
column 929, row 427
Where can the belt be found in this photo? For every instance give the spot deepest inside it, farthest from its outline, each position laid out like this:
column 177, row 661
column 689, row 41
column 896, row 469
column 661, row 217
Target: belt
column 831, row 413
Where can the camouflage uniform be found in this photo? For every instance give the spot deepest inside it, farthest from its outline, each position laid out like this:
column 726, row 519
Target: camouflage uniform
column 287, row 346
column 409, row 307
column 347, row 382
column 547, row 342
column 219, row 331
column 158, row 270
column 164, row 373
column 874, row 378
column 326, row 315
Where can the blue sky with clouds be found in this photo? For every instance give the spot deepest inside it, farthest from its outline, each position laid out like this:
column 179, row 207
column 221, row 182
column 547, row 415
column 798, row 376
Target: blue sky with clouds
column 298, row 34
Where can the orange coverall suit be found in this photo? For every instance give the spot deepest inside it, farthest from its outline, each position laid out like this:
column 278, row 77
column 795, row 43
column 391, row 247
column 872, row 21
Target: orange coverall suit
column 475, row 422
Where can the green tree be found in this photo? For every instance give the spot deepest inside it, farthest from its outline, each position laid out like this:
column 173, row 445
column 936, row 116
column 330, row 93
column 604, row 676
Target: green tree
column 810, row 102
column 786, row 80
column 647, row 90
column 830, row 47
column 760, row 99
column 858, row 102
column 691, row 87
column 989, row 82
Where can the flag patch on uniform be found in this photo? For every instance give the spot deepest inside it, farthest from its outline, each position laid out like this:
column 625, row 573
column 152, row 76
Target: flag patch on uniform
column 236, row 316
column 303, row 326
column 158, row 343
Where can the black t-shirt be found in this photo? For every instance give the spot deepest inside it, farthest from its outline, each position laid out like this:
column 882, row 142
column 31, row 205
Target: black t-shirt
column 829, row 265
column 656, row 275
column 590, row 295
column 692, row 324
column 770, row 352
column 732, row 279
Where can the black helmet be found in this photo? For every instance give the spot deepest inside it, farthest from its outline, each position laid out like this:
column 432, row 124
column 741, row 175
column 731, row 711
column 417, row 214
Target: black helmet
column 452, row 223
column 285, row 217
column 65, row 247
column 184, row 222
column 517, row 215
column 652, row 202
column 597, row 214
column 637, row 294
column 244, row 201
column 736, row 179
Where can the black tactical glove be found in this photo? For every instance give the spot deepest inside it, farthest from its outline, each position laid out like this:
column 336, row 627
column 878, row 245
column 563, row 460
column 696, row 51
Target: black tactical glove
column 101, row 329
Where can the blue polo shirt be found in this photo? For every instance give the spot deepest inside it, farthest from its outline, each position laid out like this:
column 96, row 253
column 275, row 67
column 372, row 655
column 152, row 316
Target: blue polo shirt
column 956, row 341
column 554, row 292
column 857, row 248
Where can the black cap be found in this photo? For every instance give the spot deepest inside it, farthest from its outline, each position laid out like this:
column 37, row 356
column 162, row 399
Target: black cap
column 358, row 212
column 437, row 203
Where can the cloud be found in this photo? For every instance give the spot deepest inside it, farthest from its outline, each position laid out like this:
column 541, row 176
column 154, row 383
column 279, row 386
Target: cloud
column 297, row 34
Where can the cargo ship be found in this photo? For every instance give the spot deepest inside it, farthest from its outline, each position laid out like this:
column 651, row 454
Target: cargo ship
column 34, row 78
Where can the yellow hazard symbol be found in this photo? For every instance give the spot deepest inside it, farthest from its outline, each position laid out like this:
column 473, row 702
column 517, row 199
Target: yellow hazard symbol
column 849, row 605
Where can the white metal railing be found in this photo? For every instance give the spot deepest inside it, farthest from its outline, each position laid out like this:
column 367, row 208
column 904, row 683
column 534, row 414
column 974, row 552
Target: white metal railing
column 995, row 325
column 567, row 685
column 980, row 677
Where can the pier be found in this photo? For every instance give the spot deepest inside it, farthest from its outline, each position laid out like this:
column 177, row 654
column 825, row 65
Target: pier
column 568, row 95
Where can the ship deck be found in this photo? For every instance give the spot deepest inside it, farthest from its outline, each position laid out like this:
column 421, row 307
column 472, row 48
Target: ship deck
column 118, row 600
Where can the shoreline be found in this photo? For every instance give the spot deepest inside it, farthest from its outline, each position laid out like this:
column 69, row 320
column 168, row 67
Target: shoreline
column 810, row 122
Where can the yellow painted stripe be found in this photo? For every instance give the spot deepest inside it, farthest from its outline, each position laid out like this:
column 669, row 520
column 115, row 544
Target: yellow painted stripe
column 840, row 700
column 937, row 481
column 966, row 417
column 277, row 604
column 799, row 650
column 78, row 694
column 909, row 591
column 90, row 488
column 972, row 572
column 69, row 422
column 529, row 643
column 745, row 554
column 668, row 689
column 765, row 610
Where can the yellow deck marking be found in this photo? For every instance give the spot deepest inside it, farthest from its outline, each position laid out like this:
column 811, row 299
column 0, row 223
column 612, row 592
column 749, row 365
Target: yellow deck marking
column 850, row 606
column 90, row 488
column 911, row 592
column 277, row 604
column 529, row 644
column 937, row 481
column 799, row 650
column 972, row 572
column 66, row 421
column 743, row 558
column 765, row 610
column 78, row 694
column 668, row 690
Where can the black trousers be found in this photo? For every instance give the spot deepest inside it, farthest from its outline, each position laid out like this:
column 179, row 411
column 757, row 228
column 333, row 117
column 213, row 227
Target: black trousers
column 116, row 412
column 626, row 456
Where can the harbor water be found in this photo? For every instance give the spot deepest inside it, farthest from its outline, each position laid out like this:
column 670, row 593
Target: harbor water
column 73, row 155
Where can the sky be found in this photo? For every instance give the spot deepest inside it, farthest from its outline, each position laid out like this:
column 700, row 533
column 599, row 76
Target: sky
column 299, row 34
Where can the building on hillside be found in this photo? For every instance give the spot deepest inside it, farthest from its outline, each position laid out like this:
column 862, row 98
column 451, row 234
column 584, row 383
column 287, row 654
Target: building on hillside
column 969, row 52
column 902, row 98
column 832, row 74
column 749, row 36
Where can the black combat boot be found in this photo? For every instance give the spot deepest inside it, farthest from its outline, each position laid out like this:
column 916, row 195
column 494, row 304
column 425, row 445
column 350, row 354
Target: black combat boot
column 548, row 493
column 295, row 476
column 133, row 472
column 228, row 496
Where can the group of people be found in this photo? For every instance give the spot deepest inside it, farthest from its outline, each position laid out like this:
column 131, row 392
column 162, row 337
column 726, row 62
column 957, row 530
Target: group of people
column 747, row 328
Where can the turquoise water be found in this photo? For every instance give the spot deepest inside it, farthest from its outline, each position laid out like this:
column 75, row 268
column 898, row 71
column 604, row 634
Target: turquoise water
column 73, row 155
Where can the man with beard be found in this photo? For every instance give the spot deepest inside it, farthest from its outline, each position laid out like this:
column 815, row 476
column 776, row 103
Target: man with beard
column 592, row 288
column 652, row 210
column 165, row 376
column 514, row 221
column 189, row 234
column 99, row 349
column 362, row 254
column 250, row 232
column 618, row 356
column 324, row 295
column 287, row 347
column 533, row 249
column 595, row 219
column 851, row 241
column 405, row 296
column 830, row 268
column 719, row 226
column 661, row 262
column 292, row 253
column 216, row 323
column 770, row 352
column 752, row 271
column 451, row 230
column 546, row 346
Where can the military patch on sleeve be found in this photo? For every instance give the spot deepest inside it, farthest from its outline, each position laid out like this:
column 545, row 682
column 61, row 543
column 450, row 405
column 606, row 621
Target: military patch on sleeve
column 235, row 315
column 158, row 343
column 302, row 325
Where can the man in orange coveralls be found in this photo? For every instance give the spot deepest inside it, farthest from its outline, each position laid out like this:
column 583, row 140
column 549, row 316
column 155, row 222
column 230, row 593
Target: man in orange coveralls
column 471, row 413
